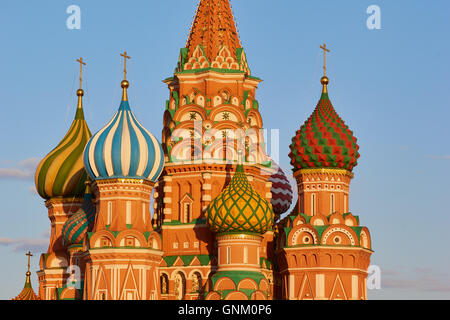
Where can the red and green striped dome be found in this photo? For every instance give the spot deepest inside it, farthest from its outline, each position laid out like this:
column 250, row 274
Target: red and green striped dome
column 324, row 140
column 79, row 223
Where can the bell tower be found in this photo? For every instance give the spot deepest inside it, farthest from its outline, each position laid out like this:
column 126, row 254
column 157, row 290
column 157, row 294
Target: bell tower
column 124, row 160
column 323, row 251
column 212, row 111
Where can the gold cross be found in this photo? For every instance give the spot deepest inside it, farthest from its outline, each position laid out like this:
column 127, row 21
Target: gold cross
column 29, row 256
column 82, row 63
column 125, row 57
column 325, row 50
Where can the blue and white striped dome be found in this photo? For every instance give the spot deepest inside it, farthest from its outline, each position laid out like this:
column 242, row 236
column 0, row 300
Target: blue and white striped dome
column 124, row 149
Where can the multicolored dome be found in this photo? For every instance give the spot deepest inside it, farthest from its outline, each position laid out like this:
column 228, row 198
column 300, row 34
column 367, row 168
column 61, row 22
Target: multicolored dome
column 124, row 148
column 27, row 292
column 281, row 192
column 239, row 208
column 324, row 140
column 79, row 223
column 61, row 173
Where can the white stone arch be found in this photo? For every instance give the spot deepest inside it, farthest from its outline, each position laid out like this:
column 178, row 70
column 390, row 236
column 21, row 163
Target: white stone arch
column 299, row 231
column 337, row 229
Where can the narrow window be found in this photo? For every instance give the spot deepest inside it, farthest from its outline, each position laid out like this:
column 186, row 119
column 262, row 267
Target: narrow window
column 245, row 255
column 228, row 255
column 332, row 203
column 128, row 213
column 143, row 212
column 345, row 203
column 313, row 204
column 109, row 219
column 187, row 209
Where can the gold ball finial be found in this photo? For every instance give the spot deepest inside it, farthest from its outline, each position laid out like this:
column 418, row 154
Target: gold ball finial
column 28, row 273
column 125, row 84
column 80, row 92
column 324, row 80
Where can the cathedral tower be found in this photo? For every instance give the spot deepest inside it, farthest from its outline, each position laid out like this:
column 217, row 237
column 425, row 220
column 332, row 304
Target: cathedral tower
column 239, row 216
column 211, row 113
column 124, row 160
column 323, row 251
column 60, row 180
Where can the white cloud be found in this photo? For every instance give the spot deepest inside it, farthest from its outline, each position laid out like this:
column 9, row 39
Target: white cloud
column 25, row 170
column 30, row 163
column 443, row 157
column 24, row 244
column 421, row 278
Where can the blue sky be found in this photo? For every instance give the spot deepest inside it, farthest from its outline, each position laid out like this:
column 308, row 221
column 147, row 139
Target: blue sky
column 389, row 85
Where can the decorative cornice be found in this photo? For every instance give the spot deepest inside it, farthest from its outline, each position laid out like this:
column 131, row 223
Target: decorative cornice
column 238, row 236
column 124, row 181
column 342, row 172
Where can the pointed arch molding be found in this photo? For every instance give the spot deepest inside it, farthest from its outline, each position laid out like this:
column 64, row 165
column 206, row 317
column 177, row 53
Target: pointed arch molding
column 100, row 278
column 338, row 286
column 305, row 290
column 124, row 287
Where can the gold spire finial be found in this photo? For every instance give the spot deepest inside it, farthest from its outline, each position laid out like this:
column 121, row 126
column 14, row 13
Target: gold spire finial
column 125, row 84
column 29, row 257
column 125, row 57
column 28, row 270
column 82, row 63
column 324, row 81
column 325, row 50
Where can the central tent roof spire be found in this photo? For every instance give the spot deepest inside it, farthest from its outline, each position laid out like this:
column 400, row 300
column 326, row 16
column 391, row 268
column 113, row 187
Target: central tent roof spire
column 213, row 27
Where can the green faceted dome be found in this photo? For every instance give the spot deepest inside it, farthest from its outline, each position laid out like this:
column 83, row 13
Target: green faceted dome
column 239, row 208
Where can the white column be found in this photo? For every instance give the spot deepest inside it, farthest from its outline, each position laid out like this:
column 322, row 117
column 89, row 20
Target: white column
column 320, row 286
column 355, row 287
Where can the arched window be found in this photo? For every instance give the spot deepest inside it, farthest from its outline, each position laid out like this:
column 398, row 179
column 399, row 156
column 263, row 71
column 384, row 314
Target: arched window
column 186, row 205
column 180, row 286
column 196, row 282
column 164, row 282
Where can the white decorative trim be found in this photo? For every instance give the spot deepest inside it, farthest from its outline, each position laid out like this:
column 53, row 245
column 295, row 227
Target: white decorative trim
column 297, row 233
column 346, row 232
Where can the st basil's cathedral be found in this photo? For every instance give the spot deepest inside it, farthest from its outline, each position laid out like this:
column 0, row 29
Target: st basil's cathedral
column 218, row 226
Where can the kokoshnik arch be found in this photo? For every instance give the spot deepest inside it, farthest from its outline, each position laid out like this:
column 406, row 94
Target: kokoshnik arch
column 214, row 231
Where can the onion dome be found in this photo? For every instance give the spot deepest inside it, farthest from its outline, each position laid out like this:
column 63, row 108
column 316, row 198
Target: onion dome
column 80, row 222
column 281, row 192
column 124, row 148
column 239, row 208
column 27, row 292
column 324, row 140
column 61, row 173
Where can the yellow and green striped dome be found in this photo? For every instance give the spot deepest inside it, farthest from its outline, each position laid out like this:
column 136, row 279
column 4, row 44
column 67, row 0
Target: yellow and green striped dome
column 239, row 208
column 61, row 173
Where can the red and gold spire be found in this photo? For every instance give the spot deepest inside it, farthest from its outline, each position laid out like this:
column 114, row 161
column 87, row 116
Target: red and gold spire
column 213, row 40
column 214, row 26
